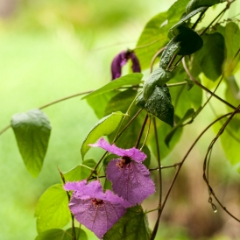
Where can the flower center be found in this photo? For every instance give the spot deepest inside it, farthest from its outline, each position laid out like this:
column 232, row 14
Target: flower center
column 123, row 162
column 97, row 202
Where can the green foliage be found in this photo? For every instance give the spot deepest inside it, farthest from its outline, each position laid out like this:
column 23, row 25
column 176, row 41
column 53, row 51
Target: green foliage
column 165, row 146
column 122, row 101
column 230, row 140
column 195, row 4
column 231, row 34
column 133, row 225
column 80, row 172
column 154, row 34
column 52, row 209
column 210, row 58
column 57, row 234
column 127, row 80
column 32, row 131
column 187, row 17
column 152, row 38
column 105, row 126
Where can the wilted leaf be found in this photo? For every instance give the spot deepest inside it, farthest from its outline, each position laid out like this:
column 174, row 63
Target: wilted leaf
column 32, row 131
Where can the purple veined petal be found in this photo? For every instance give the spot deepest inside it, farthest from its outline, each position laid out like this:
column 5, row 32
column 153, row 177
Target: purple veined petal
column 94, row 209
column 133, row 153
column 75, row 186
column 132, row 182
column 135, row 63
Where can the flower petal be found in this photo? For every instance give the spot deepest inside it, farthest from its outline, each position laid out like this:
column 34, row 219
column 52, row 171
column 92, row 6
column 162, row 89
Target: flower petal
column 135, row 63
column 96, row 210
column 131, row 182
column 117, row 63
column 133, row 153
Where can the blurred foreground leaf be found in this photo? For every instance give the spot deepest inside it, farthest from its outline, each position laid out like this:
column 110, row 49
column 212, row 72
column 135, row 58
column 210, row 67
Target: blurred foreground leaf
column 133, row 225
column 52, row 209
column 32, row 131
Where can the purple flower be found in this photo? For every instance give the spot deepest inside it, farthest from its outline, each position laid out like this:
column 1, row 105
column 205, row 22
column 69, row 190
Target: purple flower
column 120, row 60
column 130, row 178
column 93, row 208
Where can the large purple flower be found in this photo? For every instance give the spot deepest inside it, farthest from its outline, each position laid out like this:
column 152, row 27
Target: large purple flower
column 93, row 208
column 120, row 60
column 130, row 178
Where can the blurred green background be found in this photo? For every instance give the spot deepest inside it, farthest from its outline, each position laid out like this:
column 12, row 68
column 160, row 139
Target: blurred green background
column 52, row 49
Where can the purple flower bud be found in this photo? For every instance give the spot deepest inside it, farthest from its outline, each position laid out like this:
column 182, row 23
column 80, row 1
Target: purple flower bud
column 130, row 178
column 120, row 60
column 93, row 208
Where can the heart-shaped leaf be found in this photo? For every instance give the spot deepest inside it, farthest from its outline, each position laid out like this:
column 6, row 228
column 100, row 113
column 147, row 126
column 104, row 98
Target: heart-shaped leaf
column 52, row 209
column 32, row 131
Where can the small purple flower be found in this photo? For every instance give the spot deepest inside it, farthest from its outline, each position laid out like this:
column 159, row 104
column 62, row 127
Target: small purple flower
column 120, row 60
column 93, row 208
column 130, row 178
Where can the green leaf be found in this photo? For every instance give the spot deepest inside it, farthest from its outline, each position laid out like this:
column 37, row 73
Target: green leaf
column 163, row 130
column 32, row 131
column 194, row 4
column 187, row 17
column 133, row 225
column 122, row 102
column 147, row 151
column 231, row 35
column 185, row 43
column 183, row 99
column 105, row 126
column 177, row 9
column 52, row 209
column 80, row 172
column 210, row 57
column 158, row 77
column 230, row 140
column 152, row 38
column 188, row 115
column 59, row 234
column 99, row 102
column 127, row 80
column 159, row 104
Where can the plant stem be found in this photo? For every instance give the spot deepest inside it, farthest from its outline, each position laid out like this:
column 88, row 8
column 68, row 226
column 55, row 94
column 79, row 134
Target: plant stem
column 141, row 131
column 155, row 229
column 5, row 129
column 69, row 197
column 65, row 98
column 186, row 155
column 204, row 88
